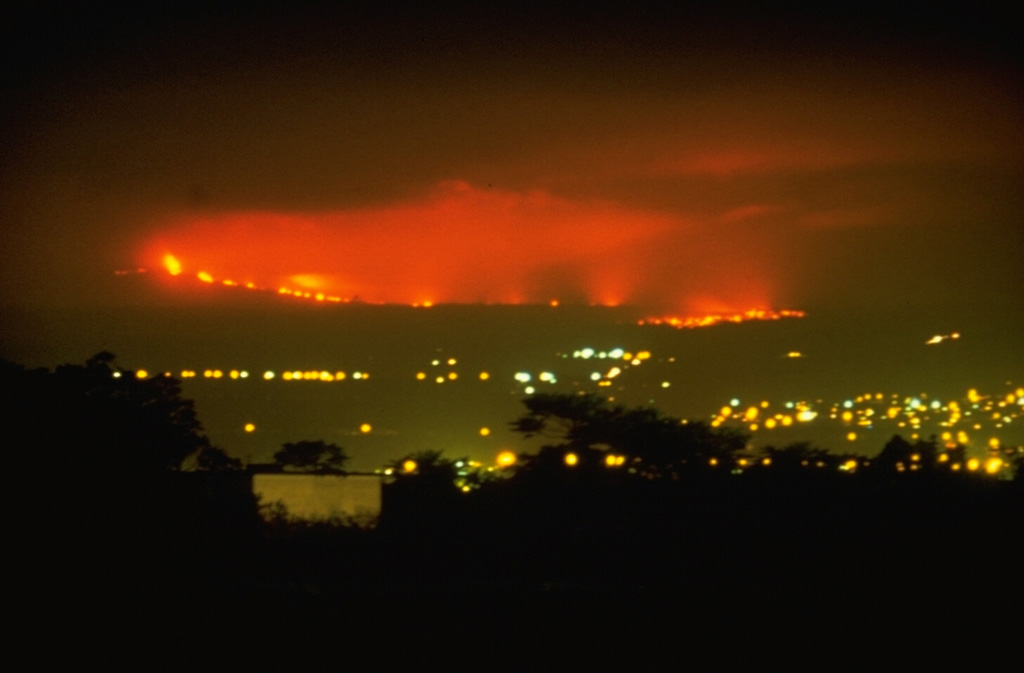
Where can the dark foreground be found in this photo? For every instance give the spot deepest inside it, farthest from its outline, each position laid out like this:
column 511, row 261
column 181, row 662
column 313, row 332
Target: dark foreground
column 573, row 569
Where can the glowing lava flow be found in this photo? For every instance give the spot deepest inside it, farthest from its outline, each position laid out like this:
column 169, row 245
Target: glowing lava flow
column 172, row 264
column 691, row 322
column 175, row 268
column 459, row 243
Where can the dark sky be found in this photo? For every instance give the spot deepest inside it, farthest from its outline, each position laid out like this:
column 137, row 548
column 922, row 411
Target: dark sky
column 682, row 158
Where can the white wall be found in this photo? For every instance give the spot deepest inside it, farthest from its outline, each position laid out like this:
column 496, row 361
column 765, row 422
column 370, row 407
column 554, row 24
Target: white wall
column 318, row 497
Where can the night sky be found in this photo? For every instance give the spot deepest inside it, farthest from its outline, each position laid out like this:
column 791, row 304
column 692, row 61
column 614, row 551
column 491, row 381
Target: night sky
column 678, row 160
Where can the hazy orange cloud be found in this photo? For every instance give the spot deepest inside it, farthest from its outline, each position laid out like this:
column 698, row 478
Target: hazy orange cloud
column 463, row 243
column 753, row 211
column 803, row 154
column 838, row 218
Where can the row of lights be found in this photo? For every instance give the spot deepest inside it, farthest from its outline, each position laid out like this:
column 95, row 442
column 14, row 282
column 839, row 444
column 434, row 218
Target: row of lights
column 269, row 375
column 365, row 428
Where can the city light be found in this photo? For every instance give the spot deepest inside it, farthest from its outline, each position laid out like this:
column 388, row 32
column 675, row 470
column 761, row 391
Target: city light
column 506, row 459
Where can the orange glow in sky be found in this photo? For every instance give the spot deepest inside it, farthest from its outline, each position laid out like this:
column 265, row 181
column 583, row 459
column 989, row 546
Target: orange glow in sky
column 467, row 244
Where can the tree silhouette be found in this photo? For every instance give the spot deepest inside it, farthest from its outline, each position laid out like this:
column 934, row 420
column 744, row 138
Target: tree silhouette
column 429, row 469
column 423, row 494
column 899, row 454
column 800, row 455
column 896, row 451
column 590, row 429
column 312, row 456
column 214, row 459
column 102, row 418
column 102, row 457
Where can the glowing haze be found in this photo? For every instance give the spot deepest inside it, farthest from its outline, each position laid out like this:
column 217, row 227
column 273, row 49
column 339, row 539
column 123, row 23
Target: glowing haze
column 468, row 244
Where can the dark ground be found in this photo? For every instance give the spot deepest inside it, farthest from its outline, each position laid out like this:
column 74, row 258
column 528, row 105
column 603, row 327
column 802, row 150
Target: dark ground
column 551, row 572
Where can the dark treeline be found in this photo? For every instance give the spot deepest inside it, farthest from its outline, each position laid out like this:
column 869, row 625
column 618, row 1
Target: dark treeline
column 622, row 515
